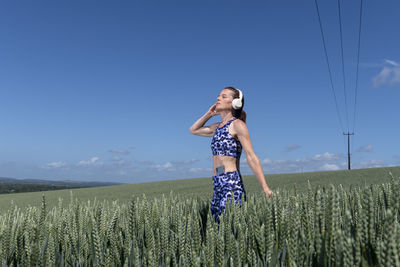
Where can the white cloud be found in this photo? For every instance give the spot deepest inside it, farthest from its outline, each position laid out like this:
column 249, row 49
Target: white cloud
column 329, row 167
column 266, row 161
column 118, row 160
column 292, row 147
column 319, row 162
column 369, row 164
column 366, row 149
column 115, row 168
column 167, row 165
column 326, row 161
column 201, row 170
column 178, row 165
column 91, row 162
column 184, row 162
column 146, row 162
column 119, row 151
column 139, row 171
column 326, row 156
column 162, row 167
column 389, row 75
column 391, row 62
column 54, row 165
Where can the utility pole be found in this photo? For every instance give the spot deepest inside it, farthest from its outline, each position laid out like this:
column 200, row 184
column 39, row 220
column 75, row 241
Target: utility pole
column 348, row 148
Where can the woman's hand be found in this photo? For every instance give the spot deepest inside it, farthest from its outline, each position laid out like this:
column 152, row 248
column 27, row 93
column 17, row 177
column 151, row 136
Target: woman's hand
column 269, row 193
column 212, row 111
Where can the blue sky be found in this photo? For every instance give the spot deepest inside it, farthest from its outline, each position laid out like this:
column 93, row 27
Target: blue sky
column 107, row 90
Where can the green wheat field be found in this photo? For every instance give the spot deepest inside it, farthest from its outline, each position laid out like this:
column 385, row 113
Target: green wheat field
column 336, row 218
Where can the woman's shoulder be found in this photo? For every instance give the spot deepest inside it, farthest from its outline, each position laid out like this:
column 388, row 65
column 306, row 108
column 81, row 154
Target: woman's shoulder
column 238, row 123
column 239, row 126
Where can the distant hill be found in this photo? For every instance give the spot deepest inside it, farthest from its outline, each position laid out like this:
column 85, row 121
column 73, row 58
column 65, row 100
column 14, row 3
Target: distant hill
column 12, row 185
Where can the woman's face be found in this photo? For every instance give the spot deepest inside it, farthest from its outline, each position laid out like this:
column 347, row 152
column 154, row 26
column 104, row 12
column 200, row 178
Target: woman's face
column 224, row 100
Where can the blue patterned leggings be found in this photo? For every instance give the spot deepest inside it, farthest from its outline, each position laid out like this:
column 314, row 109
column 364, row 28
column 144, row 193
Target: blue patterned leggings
column 225, row 185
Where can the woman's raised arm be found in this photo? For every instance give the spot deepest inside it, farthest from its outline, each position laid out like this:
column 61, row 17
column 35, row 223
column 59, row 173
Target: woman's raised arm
column 198, row 127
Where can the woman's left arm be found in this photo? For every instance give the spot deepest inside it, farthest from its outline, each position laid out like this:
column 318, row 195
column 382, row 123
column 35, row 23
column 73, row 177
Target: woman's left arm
column 242, row 134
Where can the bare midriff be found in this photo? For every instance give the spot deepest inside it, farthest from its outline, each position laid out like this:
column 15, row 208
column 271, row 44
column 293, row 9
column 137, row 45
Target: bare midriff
column 230, row 163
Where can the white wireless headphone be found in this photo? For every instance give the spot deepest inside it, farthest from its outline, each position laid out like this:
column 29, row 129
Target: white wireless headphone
column 237, row 102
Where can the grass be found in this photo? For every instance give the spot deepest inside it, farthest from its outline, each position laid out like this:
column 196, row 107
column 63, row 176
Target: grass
column 199, row 187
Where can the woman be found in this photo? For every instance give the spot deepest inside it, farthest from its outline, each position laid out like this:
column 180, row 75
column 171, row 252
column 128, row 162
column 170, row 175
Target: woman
column 229, row 137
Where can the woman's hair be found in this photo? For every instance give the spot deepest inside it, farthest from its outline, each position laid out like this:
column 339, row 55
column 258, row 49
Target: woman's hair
column 237, row 113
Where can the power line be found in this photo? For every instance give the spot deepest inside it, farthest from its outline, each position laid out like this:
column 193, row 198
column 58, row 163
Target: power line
column 329, row 68
column 343, row 73
column 358, row 61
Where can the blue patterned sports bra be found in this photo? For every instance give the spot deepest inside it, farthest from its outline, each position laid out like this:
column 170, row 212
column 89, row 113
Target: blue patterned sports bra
column 223, row 143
